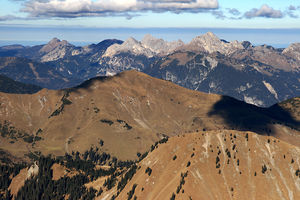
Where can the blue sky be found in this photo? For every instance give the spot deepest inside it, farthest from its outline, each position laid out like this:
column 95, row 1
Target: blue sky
column 87, row 14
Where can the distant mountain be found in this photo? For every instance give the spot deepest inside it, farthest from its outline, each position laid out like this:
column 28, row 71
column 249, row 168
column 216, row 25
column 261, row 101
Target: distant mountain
column 248, row 80
column 8, row 85
column 31, row 72
column 260, row 75
column 149, row 47
column 79, row 63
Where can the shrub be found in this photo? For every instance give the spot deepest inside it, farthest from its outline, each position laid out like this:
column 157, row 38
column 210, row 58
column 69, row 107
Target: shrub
column 264, row 169
column 148, row 171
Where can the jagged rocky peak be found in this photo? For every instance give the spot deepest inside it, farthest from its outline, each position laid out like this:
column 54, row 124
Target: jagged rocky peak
column 149, row 46
column 210, row 43
column 209, row 36
column 160, row 46
column 293, row 51
column 54, row 43
column 131, row 41
column 131, row 45
column 55, row 49
column 149, row 41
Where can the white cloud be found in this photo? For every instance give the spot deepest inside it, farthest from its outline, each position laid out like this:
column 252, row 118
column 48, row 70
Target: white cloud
column 264, row 11
column 79, row 8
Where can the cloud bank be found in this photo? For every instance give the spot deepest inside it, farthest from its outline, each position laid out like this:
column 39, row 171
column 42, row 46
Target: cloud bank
column 264, row 11
column 45, row 9
column 82, row 8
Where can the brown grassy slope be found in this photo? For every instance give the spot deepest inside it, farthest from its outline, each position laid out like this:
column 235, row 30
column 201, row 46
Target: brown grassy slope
column 129, row 112
column 239, row 176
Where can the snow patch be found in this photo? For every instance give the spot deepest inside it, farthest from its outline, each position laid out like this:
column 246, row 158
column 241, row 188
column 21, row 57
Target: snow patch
column 110, row 73
column 271, row 89
column 253, row 100
column 213, row 63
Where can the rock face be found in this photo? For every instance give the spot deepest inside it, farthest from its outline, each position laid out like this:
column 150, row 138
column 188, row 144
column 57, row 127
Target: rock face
column 211, row 43
column 148, row 47
column 55, row 50
column 260, row 75
column 293, row 51
column 159, row 46
column 245, row 79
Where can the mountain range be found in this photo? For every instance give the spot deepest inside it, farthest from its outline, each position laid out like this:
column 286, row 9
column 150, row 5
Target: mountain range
column 134, row 135
column 260, row 75
column 150, row 119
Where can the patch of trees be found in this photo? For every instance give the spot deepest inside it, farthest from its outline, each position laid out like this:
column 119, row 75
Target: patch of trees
column 173, row 197
column 148, row 171
column 228, row 153
column 9, row 131
column 7, row 171
column 43, row 187
column 110, row 182
column 127, row 177
column 96, row 110
column 126, row 125
column 297, row 173
column 107, row 121
column 65, row 101
column 95, row 156
column 101, row 142
column 131, row 192
column 164, row 140
column 264, row 168
column 182, row 182
column 218, row 162
column 188, row 164
column 144, row 155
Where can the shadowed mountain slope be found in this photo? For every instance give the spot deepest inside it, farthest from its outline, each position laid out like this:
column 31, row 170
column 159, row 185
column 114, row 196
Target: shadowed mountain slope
column 31, row 72
column 8, row 85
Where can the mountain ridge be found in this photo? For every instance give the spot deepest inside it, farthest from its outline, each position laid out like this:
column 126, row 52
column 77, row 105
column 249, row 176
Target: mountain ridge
column 260, row 75
column 131, row 107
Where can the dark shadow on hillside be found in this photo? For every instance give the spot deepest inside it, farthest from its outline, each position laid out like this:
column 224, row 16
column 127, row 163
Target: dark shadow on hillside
column 239, row 115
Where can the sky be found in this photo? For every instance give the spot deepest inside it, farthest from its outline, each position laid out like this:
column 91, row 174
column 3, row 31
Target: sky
column 39, row 20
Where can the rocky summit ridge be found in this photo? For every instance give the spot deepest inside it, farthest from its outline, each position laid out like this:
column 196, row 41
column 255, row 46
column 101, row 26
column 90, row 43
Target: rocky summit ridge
column 149, row 46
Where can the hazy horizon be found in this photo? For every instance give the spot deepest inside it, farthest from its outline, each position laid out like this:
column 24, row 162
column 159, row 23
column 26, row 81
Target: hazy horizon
column 80, row 36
